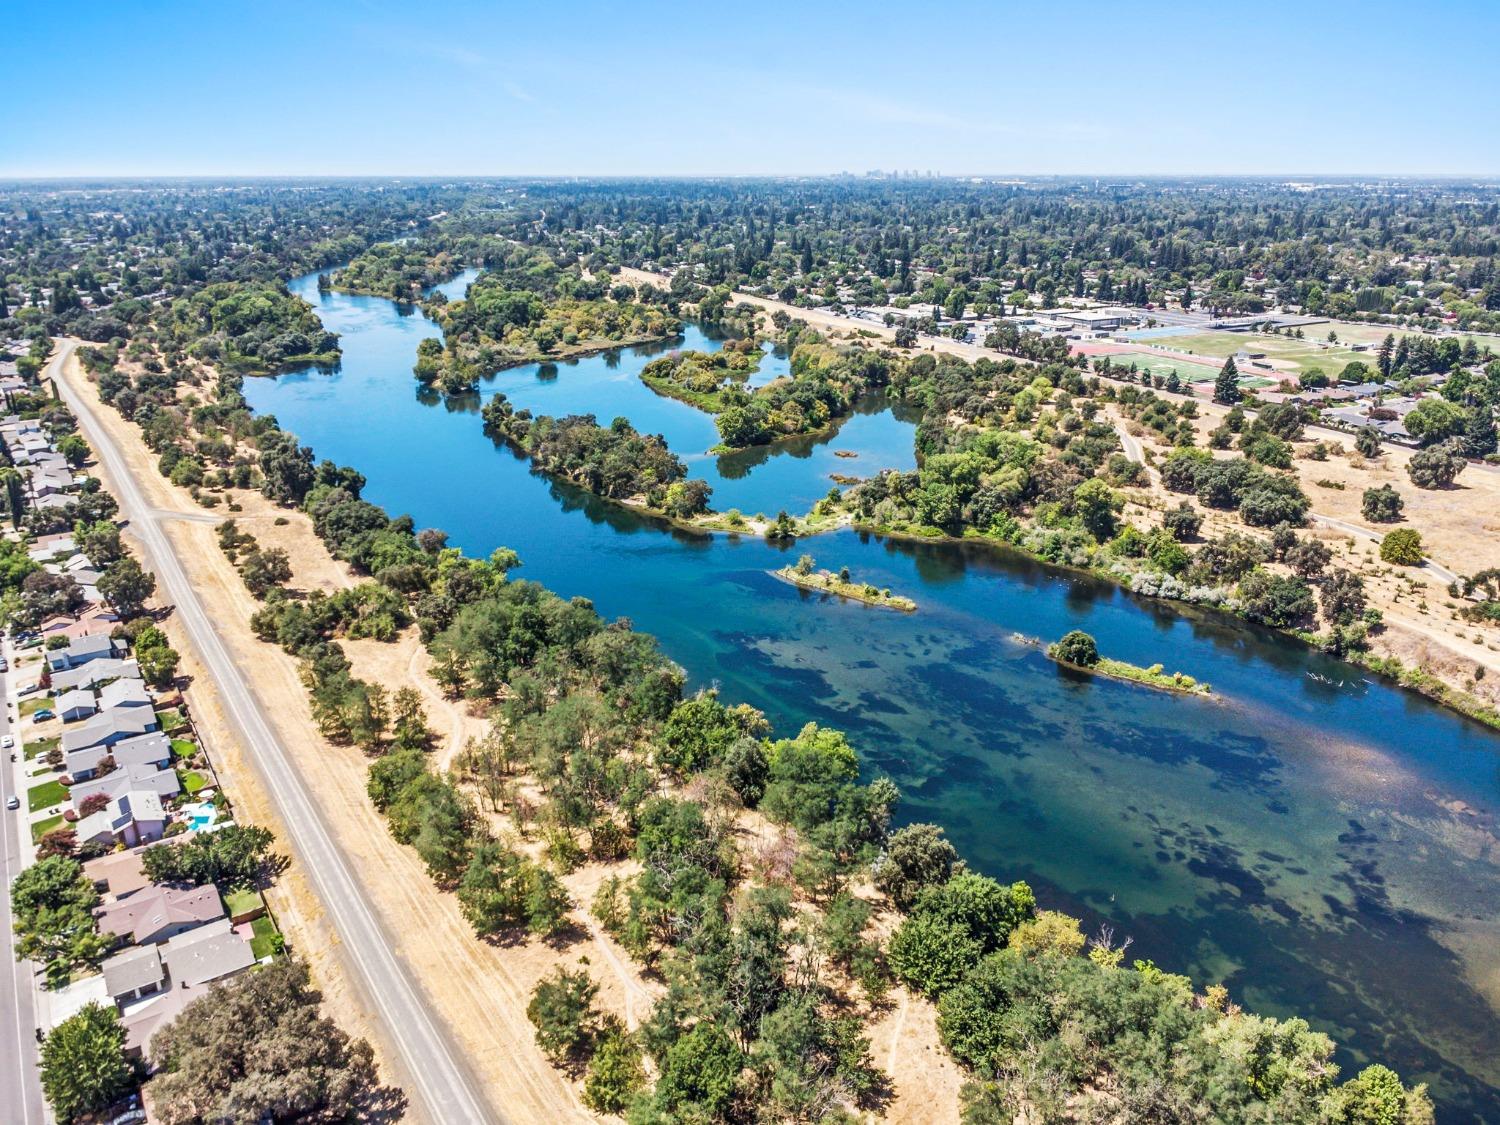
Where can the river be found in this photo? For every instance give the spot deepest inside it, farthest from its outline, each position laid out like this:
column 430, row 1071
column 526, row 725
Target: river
column 1326, row 847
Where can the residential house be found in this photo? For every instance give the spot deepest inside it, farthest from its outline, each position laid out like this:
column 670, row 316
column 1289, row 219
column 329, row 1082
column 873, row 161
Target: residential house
column 75, row 705
column 124, row 694
column 206, row 953
column 118, row 874
column 95, row 673
column 109, row 727
column 134, row 817
column 80, row 651
column 160, row 913
column 135, row 973
column 47, row 546
column 164, row 783
column 153, row 749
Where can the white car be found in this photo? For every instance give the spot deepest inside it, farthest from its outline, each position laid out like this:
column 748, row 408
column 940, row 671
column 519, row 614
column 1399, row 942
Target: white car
column 12, row 802
column 7, row 742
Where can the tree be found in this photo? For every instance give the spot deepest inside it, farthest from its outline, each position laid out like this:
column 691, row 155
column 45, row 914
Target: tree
column 126, row 587
column 1274, row 600
column 52, row 902
column 1077, row 647
column 916, row 856
column 1342, row 595
column 232, row 856
column 1437, row 466
column 931, row 953
column 83, row 1063
column 74, row 449
column 1184, row 522
column 1308, row 558
column 1376, row 1097
column 615, row 1072
column 264, row 569
column 1435, row 419
column 1381, row 505
column 257, row 1048
column 1402, row 547
column 1479, row 437
column 1227, row 385
column 1367, row 441
column 562, row 1011
column 699, row 1074
column 1096, row 504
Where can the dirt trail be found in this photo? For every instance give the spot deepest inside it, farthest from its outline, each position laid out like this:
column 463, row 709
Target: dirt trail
column 479, row 989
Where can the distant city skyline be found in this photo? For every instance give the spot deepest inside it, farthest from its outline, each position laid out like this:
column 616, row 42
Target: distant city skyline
column 588, row 89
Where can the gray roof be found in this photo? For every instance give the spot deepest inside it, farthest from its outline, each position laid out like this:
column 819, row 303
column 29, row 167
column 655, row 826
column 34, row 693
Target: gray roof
column 72, row 700
column 95, row 672
column 163, row 783
column 123, row 693
column 109, row 727
column 154, row 749
column 135, row 806
column 207, row 953
column 135, row 969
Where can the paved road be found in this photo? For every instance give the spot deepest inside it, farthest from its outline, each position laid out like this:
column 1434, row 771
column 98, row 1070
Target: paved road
column 442, row 1089
column 1366, row 534
column 20, row 1087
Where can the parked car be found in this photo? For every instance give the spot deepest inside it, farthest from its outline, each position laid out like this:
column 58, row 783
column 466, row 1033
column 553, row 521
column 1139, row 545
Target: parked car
column 29, row 689
column 7, row 742
column 12, row 802
column 4, row 664
column 43, row 715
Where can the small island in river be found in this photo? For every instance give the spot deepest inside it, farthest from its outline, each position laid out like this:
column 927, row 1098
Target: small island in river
column 825, row 581
column 1078, row 650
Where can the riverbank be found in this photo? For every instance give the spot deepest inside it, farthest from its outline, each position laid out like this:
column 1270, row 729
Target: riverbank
column 826, row 582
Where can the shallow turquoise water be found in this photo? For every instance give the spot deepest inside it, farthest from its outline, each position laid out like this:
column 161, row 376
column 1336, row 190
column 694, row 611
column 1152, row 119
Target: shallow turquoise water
column 1324, row 849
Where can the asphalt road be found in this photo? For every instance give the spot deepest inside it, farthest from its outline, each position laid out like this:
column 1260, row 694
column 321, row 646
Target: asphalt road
column 20, row 1087
column 439, row 1084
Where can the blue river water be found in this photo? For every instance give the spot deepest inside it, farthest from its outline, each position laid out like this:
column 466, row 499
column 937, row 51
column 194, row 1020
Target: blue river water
column 1326, row 847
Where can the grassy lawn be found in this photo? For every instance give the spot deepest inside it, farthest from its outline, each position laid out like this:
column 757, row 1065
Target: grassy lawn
column 1186, row 370
column 1293, row 355
column 192, row 781
column 263, row 943
column 237, row 903
column 41, row 746
column 171, row 719
column 35, row 704
column 42, row 827
column 183, row 749
column 46, row 795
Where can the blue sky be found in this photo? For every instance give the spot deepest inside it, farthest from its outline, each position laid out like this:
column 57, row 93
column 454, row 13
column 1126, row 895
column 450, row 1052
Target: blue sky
column 322, row 87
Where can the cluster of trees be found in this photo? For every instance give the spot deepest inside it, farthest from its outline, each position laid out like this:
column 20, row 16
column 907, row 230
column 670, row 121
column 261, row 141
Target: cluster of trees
column 526, row 306
column 825, row 384
column 615, row 462
column 248, row 328
column 704, row 378
column 399, row 270
column 1262, row 498
column 982, row 246
column 234, row 856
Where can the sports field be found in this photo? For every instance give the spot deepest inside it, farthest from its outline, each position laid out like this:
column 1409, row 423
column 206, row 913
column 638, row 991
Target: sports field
column 1159, row 364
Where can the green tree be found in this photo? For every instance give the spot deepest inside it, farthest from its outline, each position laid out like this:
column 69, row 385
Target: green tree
column 615, row 1072
column 932, row 954
column 1402, row 547
column 1097, row 506
column 1077, row 647
column 127, row 587
column 1227, row 385
column 916, row 856
column 83, row 1063
column 52, row 902
column 1436, row 466
column 1381, row 505
column 74, row 449
column 562, row 1012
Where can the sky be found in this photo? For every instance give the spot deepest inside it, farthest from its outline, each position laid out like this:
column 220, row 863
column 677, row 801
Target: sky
column 643, row 88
